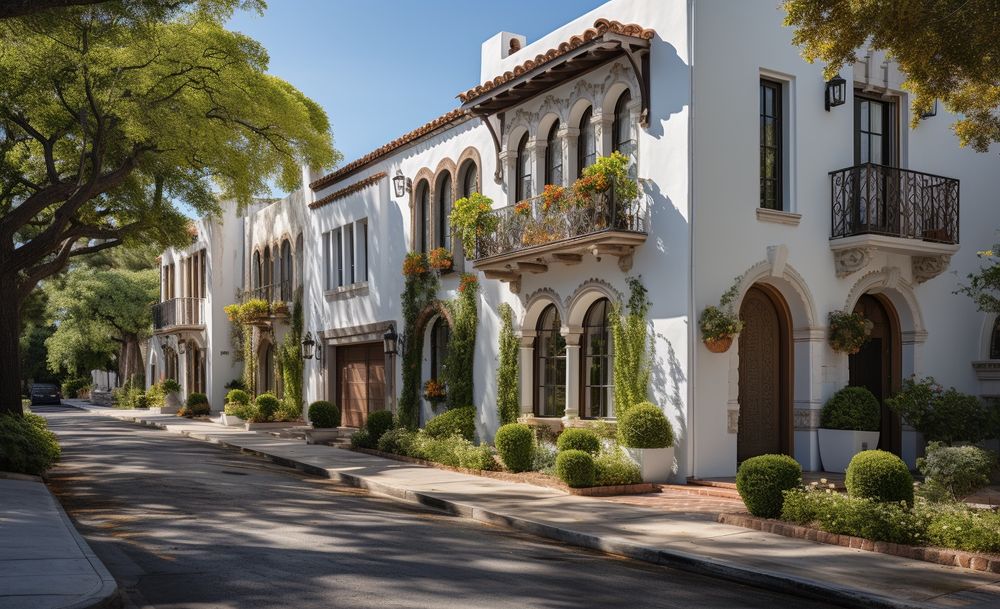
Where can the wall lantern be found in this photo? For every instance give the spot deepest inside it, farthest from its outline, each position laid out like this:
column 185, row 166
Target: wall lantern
column 836, row 92
column 401, row 183
column 931, row 112
column 392, row 343
column 308, row 346
column 182, row 347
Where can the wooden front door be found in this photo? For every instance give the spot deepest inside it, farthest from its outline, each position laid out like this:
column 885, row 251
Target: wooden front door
column 360, row 382
column 764, row 376
column 877, row 365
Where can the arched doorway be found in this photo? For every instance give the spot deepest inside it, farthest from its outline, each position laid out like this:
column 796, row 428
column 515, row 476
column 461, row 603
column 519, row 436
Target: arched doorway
column 765, row 375
column 877, row 365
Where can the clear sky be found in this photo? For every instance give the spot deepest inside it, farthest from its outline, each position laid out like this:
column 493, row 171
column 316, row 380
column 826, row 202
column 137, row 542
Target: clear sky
column 381, row 68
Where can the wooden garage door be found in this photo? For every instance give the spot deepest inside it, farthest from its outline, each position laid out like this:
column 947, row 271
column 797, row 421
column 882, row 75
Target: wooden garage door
column 360, row 382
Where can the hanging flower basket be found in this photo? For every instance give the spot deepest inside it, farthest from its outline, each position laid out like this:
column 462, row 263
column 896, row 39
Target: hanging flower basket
column 434, row 391
column 849, row 331
column 414, row 265
column 720, row 344
column 720, row 324
column 440, row 259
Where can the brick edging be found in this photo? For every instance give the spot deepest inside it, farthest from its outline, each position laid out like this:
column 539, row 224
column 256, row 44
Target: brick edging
column 941, row 556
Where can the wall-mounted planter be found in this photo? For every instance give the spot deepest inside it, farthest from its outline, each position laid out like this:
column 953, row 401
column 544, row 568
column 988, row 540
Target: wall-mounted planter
column 838, row 446
column 719, row 345
column 655, row 464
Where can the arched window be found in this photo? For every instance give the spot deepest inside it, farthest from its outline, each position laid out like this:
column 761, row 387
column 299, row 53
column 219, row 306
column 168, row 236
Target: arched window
column 444, row 200
column 553, row 156
column 286, row 270
column 423, row 223
column 550, row 365
column 597, row 395
column 299, row 257
column 522, row 188
column 255, row 272
column 440, row 335
column 995, row 340
column 586, row 143
column 267, row 373
column 470, row 177
column 621, row 127
column 267, row 273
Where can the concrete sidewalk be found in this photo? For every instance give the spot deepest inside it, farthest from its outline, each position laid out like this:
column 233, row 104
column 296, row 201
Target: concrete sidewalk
column 44, row 563
column 832, row 573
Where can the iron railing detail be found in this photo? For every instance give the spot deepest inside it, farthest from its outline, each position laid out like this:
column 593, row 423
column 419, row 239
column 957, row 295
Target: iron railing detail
column 281, row 291
column 529, row 224
column 881, row 200
column 178, row 312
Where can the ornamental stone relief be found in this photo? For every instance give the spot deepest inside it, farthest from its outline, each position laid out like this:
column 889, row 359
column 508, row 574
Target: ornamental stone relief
column 732, row 421
column 926, row 268
column 851, row 260
column 806, row 418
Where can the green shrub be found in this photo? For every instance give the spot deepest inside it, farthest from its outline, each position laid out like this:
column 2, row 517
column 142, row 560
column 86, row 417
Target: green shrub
column 378, row 423
column 762, row 480
column 196, row 398
column 170, row 386
column 480, row 457
column 287, row 411
column 614, row 467
column 399, row 441
column 961, row 528
column 645, row 426
column 958, row 470
column 440, row 450
column 852, row 408
column 837, row 513
column 543, row 457
column 576, row 468
column 142, row 400
column 324, row 415
column 155, row 395
column 26, row 444
column 454, row 422
column 200, row 409
column 128, row 396
column 578, row 438
column 235, row 409
column 72, row 387
column 944, row 415
column 237, row 396
column 880, row 476
column 265, row 407
column 362, row 439
column 515, row 443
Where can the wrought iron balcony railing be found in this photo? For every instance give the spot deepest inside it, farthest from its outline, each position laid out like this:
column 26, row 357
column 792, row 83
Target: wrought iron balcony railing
column 281, row 291
column 529, row 224
column 178, row 312
column 881, row 200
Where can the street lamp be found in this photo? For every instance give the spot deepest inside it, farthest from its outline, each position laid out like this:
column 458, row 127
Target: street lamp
column 401, row 183
column 308, row 346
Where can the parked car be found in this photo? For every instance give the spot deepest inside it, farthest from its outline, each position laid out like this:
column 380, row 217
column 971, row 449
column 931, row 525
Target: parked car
column 45, row 393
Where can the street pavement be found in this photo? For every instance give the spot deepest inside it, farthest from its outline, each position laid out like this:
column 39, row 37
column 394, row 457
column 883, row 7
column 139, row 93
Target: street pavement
column 181, row 523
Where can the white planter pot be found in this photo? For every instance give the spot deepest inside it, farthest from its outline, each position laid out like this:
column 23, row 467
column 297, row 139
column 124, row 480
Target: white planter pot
column 260, row 426
column 321, row 435
column 231, row 420
column 171, row 403
column 838, row 446
column 655, row 464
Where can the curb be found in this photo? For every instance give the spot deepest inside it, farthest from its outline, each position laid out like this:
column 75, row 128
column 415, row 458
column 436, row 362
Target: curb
column 684, row 561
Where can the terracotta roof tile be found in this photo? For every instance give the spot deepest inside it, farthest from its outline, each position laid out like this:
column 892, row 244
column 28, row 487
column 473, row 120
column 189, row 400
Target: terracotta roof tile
column 347, row 190
column 601, row 27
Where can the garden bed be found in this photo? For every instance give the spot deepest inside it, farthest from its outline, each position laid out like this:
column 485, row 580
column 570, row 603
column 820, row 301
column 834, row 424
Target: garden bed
column 976, row 561
column 536, row 478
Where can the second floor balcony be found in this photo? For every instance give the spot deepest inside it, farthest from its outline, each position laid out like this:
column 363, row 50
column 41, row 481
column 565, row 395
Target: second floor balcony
column 272, row 292
column 179, row 313
column 877, row 208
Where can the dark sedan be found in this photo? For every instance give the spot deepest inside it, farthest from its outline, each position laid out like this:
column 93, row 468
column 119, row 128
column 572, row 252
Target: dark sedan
column 45, row 393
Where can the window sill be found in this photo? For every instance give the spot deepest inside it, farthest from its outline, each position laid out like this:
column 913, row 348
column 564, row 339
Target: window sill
column 778, row 216
column 347, row 291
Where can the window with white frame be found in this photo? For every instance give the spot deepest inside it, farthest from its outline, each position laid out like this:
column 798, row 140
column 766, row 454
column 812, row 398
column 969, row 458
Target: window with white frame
column 345, row 255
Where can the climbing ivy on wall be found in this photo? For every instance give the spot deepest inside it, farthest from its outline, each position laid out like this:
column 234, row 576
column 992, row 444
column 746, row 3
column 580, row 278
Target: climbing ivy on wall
column 419, row 291
column 507, row 368
column 290, row 360
column 633, row 358
column 458, row 361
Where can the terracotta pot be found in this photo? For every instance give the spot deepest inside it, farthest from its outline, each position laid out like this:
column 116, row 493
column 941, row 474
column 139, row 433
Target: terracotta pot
column 719, row 345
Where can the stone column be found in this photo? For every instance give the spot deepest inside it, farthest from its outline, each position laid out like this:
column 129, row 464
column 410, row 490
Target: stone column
column 573, row 337
column 508, row 159
column 602, row 132
column 527, row 371
column 568, row 137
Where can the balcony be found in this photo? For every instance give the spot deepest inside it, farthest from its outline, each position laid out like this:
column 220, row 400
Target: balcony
column 274, row 292
column 528, row 238
column 880, row 209
column 179, row 314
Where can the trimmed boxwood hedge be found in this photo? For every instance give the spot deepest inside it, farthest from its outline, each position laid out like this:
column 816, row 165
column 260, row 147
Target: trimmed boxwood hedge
column 454, row 422
column 879, row 475
column 238, row 396
column 852, row 408
column 576, row 468
column 645, row 426
column 762, row 480
column 324, row 414
column 378, row 423
column 265, row 407
column 516, row 443
column 578, row 438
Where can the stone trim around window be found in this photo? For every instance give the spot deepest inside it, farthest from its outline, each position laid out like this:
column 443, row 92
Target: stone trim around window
column 346, row 291
column 778, row 217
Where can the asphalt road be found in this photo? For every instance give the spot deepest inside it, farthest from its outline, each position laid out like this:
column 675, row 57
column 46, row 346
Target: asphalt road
column 184, row 524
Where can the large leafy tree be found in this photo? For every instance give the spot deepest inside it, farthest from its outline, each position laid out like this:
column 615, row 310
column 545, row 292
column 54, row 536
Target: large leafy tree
column 110, row 113
column 948, row 49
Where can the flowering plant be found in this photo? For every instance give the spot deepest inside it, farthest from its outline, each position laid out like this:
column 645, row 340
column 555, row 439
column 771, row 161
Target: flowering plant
column 522, row 209
column 554, row 197
column 472, row 216
column 415, row 264
column 468, row 281
column 440, row 259
column 849, row 331
column 607, row 171
column 721, row 322
column 434, row 391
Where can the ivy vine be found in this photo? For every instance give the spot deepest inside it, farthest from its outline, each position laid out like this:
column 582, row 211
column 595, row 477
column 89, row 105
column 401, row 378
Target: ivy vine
column 290, row 360
column 632, row 363
column 419, row 290
column 507, row 368
column 458, row 361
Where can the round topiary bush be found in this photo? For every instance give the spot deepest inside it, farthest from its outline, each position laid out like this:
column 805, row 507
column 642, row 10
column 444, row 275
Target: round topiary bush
column 762, row 480
column 576, row 438
column 265, row 407
column 171, row 386
column 516, row 442
column 879, row 475
column 645, row 426
column 324, row 415
column 576, row 468
column 196, row 398
column 455, row 422
column 852, row 408
column 378, row 423
column 26, row 444
column 238, row 396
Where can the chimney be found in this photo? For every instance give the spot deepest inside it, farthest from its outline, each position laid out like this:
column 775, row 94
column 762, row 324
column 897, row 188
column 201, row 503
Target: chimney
column 496, row 49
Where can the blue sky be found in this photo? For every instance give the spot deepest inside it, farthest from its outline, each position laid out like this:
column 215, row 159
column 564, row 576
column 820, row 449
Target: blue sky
column 381, row 68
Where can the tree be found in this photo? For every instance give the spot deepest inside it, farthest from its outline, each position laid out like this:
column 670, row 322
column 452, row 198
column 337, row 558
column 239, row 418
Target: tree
column 948, row 49
column 101, row 316
column 110, row 113
column 984, row 287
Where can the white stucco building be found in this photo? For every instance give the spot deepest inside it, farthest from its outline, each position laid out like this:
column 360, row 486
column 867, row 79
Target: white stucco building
column 744, row 172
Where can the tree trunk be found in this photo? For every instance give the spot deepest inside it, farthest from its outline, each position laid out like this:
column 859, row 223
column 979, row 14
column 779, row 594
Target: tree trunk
column 130, row 358
column 10, row 359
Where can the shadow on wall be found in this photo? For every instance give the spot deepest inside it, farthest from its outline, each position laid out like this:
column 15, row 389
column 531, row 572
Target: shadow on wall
column 666, row 385
column 670, row 88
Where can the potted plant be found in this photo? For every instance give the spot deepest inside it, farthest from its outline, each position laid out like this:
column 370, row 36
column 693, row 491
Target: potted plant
column 236, row 410
column 523, row 208
column 434, row 391
column 720, row 324
column 415, row 264
column 849, row 424
column 440, row 259
column 849, row 331
column 554, row 197
column 648, row 438
column 171, row 397
column 255, row 311
column 325, row 419
column 279, row 307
